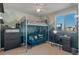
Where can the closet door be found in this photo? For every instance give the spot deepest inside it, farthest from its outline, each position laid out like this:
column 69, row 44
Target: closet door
column 0, row 35
column 1, row 18
column 1, row 8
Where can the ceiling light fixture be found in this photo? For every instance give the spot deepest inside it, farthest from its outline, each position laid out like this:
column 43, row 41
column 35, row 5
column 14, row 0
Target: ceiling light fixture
column 38, row 10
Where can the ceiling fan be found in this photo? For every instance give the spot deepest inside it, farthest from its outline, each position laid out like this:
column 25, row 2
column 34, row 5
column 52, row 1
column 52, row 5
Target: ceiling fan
column 40, row 7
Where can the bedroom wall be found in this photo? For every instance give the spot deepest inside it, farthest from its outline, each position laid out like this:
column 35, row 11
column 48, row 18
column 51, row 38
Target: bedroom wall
column 51, row 16
column 11, row 17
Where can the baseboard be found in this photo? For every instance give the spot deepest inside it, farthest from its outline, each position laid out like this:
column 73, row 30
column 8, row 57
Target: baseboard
column 74, row 51
column 1, row 49
column 55, row 44
column 46, row 42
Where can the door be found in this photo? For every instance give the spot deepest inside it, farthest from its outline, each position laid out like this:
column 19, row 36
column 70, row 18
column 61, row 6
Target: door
column 0, row 35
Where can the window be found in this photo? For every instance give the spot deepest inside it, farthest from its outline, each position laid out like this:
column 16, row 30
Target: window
column 66, row 22
column 59, row 23
column 70, row 24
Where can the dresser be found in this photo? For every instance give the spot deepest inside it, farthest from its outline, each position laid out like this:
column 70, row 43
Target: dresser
column 12, row 39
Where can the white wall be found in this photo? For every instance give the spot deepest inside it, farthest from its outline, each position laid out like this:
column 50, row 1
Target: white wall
column 12, row 16
column 51, row 17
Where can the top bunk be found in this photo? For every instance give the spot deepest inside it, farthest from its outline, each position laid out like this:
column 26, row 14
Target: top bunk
column 35, row 22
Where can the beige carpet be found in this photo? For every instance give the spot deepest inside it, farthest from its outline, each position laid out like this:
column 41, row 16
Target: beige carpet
column 43, row 49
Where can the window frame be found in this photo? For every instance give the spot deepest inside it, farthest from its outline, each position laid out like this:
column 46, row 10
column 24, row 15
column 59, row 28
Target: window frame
column 64, row 18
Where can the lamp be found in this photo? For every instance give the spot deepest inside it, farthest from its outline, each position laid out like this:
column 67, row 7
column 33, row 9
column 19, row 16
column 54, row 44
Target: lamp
column 55, row 32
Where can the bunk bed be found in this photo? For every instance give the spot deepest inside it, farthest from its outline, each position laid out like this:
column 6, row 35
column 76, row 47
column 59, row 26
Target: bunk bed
column 34, row 33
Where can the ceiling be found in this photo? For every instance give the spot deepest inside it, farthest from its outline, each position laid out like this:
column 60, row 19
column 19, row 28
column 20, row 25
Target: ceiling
column 30, row 8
